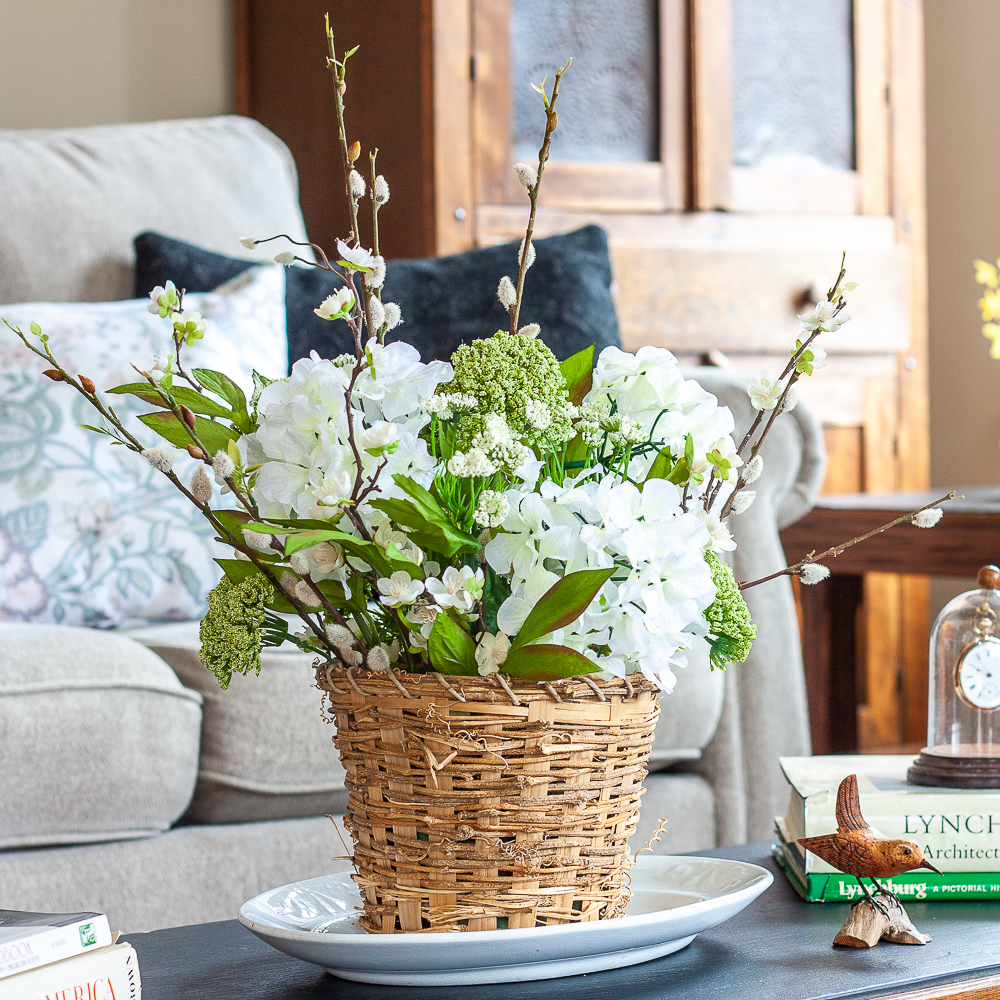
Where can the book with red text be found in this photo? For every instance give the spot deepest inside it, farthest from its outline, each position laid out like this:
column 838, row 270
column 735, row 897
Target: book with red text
column 110, row 973
column 30, row 940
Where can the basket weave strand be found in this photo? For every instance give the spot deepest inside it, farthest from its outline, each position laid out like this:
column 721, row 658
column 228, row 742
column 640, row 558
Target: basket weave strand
column 484, row 814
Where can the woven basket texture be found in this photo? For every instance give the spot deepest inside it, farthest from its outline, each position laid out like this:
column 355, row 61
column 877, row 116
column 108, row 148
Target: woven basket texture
column 482, row 804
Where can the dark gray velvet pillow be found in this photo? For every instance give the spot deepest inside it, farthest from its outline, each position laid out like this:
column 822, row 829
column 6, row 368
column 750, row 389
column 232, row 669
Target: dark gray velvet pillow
column 445, row 301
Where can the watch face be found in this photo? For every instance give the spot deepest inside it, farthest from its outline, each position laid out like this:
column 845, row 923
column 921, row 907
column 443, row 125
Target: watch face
column 977, row 677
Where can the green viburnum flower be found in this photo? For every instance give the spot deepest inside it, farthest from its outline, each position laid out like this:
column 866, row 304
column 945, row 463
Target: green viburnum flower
column 728, row 617
column 230, row 632
column 517, row 377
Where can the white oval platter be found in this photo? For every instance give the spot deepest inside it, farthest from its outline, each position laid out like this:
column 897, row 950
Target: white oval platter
column 673, row 899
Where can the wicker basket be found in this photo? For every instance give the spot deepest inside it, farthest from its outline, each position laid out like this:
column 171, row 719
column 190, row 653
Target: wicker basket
column 478, row 804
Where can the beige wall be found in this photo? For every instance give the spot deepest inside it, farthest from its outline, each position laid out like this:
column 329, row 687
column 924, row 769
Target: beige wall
column 91, row 62
column 963, row 195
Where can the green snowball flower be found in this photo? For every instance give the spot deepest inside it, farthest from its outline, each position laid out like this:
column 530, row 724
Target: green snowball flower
column 728, row 617
column 516, row 376
column 230, row 632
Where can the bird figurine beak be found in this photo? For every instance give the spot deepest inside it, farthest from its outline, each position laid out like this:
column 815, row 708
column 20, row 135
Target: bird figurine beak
column 927, row 864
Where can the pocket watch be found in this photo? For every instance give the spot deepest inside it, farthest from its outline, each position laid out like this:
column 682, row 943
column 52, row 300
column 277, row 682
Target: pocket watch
column 977, row 672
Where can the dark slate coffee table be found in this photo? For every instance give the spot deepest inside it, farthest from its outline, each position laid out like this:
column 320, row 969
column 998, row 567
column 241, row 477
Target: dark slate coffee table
column 777, row 949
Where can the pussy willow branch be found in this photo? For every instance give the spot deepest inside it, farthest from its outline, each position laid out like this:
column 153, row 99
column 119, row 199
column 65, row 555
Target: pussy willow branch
column 338, row 70
column 790, row 371
column 836, row 550
column 543, row 155
column 134, row 445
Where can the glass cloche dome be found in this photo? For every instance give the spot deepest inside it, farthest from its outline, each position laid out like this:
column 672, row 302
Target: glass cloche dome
column 963, row 710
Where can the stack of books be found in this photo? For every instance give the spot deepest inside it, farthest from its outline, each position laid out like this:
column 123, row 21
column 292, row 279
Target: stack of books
column 66, row 956
column 958, row 829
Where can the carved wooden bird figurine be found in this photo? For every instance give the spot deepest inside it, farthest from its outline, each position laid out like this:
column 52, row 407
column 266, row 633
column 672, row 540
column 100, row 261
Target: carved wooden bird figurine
column 856, row 849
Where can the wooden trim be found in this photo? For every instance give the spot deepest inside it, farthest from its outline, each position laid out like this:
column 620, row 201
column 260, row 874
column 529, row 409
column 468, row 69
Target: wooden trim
column 675, row 103
column 834, row 192
column 712, row 101
column 909, row 208
column 871, row 105
column 491, row 103
column 452, row 61
column 613, row 187
column 241, row 56
column 987, row 988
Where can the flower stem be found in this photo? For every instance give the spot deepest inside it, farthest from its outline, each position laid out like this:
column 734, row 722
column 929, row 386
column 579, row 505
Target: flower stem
column 836, row 550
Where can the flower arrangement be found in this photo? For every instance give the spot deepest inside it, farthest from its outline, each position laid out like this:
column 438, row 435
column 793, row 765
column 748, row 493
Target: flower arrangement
column 500, row 515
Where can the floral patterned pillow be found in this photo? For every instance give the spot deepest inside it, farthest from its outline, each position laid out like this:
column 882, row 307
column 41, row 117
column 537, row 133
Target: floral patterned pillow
column 92, row 535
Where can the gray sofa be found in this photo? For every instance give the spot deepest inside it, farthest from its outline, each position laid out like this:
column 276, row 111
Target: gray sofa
column 128, row 782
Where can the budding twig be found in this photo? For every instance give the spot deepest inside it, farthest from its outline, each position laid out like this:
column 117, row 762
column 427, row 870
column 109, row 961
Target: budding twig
column 836, row 550
column 543, row 155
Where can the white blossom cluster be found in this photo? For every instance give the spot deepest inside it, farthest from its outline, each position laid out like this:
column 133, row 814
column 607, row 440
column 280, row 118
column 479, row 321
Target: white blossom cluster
column 642, row 396
column 447, row 404
column 494, row 448
column 651, row 609
column 307, row 464
column 421, row 601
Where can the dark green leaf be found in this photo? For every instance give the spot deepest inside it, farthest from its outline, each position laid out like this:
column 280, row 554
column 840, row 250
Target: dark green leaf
column 450, row 648
column 576, row 453
column 496, row 590
column 195, row 401
column 214, row 436
column 546, row 662
column 578, row 371
column 561, row 604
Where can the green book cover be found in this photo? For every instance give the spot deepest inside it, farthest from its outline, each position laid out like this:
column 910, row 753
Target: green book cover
column 925, row 886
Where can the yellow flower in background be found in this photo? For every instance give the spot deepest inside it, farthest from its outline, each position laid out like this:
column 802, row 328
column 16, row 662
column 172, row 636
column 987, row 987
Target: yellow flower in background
column 990, row 305
column 986, row 274
column 991, row 331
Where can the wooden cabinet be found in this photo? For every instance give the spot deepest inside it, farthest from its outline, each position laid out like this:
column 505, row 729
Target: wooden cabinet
column 732, row 149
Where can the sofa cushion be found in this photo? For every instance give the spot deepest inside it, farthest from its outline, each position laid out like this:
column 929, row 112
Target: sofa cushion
column 91, row 534
column 72, row 200
column 445, row 301
column 99, row 738
column 266, row 752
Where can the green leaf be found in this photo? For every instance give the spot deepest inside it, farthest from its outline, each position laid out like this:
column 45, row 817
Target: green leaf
column 576, row 453
column 214, row 436
column 225, row 387
column 661, row 466
column 429, row 535
column 35, row 329
column 195, row 401
column 451, row 649
column 238, row 569
column 546, row 662
column 578, row 371
column 368, row 551
column 561, row 604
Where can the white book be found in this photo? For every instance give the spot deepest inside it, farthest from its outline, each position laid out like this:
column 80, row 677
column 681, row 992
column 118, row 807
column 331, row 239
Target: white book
column 31, row 940
column 95, row 975
column 958, row 829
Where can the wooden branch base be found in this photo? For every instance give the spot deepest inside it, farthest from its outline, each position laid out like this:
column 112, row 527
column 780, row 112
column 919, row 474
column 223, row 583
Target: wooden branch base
column 867, row 925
